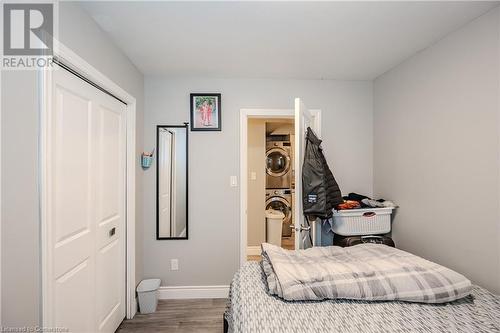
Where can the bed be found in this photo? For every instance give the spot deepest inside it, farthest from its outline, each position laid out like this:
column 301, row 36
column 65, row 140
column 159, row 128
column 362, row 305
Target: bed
column 251, row 309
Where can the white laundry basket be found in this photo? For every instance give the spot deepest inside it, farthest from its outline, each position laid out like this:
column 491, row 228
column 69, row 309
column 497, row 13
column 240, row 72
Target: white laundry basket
column 147, row 292
column 356, row 222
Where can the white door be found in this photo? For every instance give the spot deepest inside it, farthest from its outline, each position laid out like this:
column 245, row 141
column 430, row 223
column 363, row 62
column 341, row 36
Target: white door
column 165, row 152
column 86, row 199
column 304, row 118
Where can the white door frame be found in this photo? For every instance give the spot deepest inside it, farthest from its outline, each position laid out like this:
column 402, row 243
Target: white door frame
column 45, row 85
column 245, row 114
column 1, row 323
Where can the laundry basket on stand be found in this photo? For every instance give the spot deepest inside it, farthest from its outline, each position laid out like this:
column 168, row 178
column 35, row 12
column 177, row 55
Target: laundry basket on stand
column 358, row 222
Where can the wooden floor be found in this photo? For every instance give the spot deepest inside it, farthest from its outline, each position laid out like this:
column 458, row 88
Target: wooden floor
column 286, row 243
column 186, row 316
column 254, row 258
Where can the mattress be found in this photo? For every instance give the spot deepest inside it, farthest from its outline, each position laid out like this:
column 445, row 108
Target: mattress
column 252, row 309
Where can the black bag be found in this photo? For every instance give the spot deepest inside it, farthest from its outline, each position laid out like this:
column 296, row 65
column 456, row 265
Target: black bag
column 355, row 240
column 320, row 191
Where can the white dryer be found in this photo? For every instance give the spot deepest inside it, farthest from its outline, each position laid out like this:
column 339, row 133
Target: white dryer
column 278, row 165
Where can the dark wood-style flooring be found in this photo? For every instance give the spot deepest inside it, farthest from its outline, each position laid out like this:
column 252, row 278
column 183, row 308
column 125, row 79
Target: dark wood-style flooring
column 286, row 243
column 186, row 315
column 180, row 316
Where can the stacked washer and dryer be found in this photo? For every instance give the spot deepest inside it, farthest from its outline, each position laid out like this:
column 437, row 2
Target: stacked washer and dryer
column 280, row 178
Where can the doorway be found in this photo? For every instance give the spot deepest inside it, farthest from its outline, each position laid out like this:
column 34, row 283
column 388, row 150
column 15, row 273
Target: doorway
column 301, row 118
column 270, row 183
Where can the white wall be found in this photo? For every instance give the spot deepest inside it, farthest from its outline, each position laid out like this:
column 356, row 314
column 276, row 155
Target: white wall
column 436, row 150
column 20, row 124
column 211, row 254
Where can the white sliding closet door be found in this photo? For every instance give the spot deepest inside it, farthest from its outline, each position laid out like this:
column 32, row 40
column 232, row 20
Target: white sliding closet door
column 86, row 199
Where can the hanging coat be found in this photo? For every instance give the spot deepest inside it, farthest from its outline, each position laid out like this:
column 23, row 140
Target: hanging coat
column 320, row 191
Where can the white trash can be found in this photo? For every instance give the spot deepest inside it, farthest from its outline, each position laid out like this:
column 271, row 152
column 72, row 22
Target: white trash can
column 147, row 292
column 274, row 225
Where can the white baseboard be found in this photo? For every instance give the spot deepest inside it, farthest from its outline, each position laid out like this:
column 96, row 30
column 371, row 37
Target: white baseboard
column 254, row 250
column 185, row 292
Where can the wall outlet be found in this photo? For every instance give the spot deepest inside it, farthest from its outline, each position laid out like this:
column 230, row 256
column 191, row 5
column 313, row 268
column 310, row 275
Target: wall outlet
column 174, row 264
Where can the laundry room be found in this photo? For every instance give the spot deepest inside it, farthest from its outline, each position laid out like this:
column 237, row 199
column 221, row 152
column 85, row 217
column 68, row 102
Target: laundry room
column 271, row 185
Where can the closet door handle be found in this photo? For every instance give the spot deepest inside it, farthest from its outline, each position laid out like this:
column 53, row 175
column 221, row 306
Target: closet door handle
column 112, row 232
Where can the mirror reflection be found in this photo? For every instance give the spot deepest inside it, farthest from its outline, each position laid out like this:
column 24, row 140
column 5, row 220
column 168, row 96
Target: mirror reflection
column 172, row 163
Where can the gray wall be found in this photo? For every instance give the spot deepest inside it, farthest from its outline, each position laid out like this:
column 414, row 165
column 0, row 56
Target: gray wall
column 210, row 256
column 20, row 227
column 20, row 223
column 436, row 150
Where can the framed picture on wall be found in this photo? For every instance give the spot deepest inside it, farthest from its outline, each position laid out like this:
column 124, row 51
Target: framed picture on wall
column 206, row 112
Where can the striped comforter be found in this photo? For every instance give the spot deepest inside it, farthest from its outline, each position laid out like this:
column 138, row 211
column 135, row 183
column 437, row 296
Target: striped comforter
column 363, row 272
column 252, row 310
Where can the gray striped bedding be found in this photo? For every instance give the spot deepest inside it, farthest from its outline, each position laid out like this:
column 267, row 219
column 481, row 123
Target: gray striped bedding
column 251, row 309
column 362, row 272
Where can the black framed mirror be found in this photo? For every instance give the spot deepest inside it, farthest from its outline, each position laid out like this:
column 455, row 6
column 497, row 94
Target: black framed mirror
column 172, row 182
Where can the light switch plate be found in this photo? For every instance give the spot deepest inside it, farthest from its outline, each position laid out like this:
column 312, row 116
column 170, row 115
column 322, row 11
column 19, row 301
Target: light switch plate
column 174, row 264
column 253, row 175
column 233, row 181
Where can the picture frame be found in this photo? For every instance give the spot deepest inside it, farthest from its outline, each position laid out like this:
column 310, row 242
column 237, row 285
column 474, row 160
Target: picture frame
column 205, row 112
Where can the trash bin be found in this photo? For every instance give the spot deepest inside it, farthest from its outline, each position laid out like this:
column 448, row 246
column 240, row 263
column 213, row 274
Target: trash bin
column 147, row 292
column 274, row 223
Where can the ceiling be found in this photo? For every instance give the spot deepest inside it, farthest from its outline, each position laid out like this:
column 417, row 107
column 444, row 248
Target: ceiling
column 299, row 40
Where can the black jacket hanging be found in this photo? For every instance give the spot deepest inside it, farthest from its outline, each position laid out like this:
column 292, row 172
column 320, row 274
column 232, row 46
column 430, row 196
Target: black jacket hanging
column 320, row 191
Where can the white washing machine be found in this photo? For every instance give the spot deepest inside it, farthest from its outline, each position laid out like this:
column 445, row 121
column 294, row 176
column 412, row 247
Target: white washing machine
column 278, row 165
column 281, row 199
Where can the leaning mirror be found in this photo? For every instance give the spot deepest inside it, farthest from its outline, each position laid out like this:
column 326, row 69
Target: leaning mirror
column 172, row 182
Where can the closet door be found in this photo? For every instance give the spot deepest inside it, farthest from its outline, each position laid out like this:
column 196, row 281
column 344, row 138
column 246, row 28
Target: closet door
column 110, row 167
column 86, row 200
